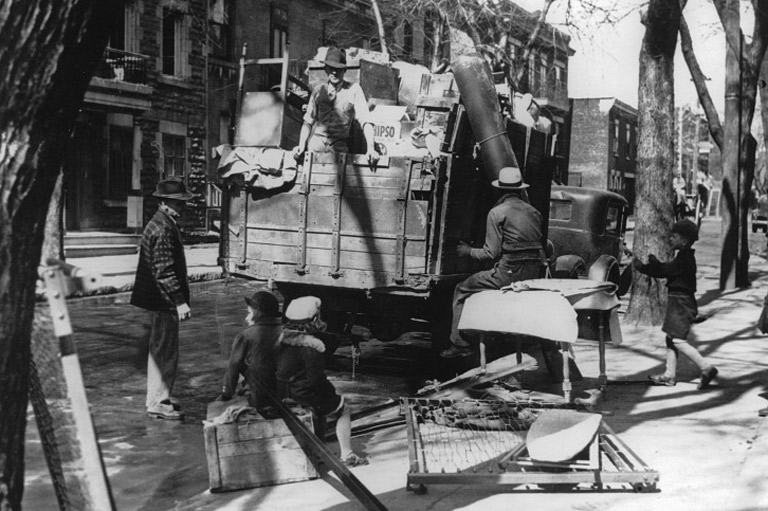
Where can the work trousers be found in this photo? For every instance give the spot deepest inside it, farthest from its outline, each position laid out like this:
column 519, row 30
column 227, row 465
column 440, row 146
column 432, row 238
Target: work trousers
column 163, row 360
column 323, row 144
column 503, row 274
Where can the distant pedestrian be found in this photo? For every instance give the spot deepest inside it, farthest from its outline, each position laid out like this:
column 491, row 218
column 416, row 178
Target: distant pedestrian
column 301, row 373
column 682, row 308
column 161, row 288
column 253, row 351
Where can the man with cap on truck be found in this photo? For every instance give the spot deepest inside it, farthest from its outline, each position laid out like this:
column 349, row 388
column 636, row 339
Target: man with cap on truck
column 332, row 109
column 513, row 235
column 162, row 289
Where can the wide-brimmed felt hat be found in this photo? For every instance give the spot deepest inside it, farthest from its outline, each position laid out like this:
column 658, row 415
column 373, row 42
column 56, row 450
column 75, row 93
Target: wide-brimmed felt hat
column 303, row 308
column 266, row 302
column 173, row 189
column 510, row 178
column 336, row 58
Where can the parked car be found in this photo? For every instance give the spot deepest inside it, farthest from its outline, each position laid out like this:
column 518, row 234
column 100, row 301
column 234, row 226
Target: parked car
column 586, row 228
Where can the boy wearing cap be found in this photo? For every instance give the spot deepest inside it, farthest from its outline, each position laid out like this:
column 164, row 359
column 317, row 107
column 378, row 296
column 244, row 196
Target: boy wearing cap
column 162, row 289
column 301, row 373
column 332, row 108
column 681, row 304
column 253, row 351
column 512, row 241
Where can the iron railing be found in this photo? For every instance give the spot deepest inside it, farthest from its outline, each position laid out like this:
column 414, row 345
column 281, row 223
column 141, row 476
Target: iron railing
column 123, row 66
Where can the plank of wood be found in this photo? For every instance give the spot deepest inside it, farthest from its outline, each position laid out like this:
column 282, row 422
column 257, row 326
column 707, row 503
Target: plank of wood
column 315, row 448
column 499, row 368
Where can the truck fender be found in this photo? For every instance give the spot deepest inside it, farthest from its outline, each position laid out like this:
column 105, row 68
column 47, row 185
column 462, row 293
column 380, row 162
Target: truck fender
column 569, row 267
column 606, row 268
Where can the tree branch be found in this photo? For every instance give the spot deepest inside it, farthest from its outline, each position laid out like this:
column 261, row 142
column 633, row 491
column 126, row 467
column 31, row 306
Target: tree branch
column 700, row 81
column 519, row 73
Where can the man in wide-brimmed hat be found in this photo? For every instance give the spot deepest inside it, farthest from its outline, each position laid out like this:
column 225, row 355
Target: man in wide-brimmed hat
column 332, row 109
column 513, row 241
column 162, row 289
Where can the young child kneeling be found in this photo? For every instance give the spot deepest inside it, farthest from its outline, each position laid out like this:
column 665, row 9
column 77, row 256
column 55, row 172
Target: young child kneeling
column 301, row 372
column 681, row 306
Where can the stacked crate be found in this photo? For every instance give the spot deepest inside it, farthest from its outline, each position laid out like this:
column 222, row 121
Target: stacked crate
column 253, row 453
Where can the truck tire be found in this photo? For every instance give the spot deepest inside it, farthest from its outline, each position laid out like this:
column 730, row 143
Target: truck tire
column 606, row 268
column 569, row 267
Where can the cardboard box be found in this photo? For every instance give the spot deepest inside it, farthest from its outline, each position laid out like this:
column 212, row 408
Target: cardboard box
column 253, row 453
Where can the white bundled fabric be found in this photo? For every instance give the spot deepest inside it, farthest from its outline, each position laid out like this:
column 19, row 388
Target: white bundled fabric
column 544, row 314
column 261, row 167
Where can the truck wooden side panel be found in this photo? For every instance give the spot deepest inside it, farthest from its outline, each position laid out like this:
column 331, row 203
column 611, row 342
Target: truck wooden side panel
column 342, row 224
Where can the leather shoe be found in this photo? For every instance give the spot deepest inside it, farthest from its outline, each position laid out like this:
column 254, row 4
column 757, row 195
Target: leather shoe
column 456, row 351
column 707, row 375
column 165, row 411
column 662, row 379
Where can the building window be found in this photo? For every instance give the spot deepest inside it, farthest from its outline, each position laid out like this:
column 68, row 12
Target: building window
column 220, row 41
column 174, row 155
column 120, row 167
column 173, row 42
column 616, row 127
column 225, row 131
column 628, row 144
column 279, row 31
column 117, row 31
column 615, row 182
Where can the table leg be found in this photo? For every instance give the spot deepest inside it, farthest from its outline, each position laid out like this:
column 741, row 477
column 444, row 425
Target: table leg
column 566, row 372
column 482, row 355
column 603, row 332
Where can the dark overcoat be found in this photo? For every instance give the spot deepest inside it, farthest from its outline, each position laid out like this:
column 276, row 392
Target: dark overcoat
column 161, row 275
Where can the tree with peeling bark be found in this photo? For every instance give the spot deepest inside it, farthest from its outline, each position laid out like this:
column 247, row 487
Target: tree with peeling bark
column 655, row 155
column 732, row 136
column 48, row 54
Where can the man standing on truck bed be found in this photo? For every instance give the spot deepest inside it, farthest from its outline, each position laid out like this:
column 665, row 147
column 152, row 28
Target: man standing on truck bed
column 332, row 109
column 513, row 235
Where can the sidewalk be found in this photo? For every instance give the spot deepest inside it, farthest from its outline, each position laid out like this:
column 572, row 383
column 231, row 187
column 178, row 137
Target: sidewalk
column 117, row 272
column 709, row 447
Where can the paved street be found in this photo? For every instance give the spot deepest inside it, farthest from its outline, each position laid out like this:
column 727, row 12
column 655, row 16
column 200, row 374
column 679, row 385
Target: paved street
column 710, row 448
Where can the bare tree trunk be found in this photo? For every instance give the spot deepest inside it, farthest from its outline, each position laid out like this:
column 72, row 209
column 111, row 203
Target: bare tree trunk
column 55, row 45
column 655, row 156
column 732, row 127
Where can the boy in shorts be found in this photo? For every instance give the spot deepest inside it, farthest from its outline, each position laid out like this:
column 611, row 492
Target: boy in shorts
column 681, row 306
column 301, row 373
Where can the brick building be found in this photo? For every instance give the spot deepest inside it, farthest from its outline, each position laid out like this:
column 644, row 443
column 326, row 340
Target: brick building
column 603, row 145
column 165, row 95
column 143, row 119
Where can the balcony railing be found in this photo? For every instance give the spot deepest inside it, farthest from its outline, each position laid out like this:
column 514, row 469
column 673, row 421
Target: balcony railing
column 123, row 66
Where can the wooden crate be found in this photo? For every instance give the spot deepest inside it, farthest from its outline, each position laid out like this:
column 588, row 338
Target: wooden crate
column 253, row 454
